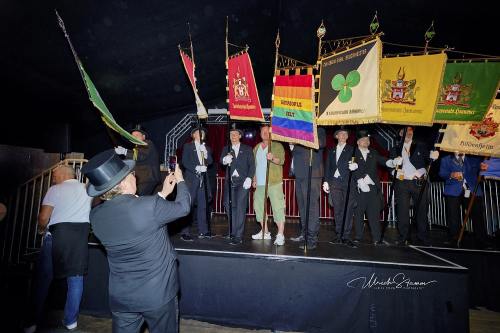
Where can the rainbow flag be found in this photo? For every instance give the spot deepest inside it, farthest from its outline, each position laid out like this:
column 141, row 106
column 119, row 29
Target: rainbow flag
column 293, row 117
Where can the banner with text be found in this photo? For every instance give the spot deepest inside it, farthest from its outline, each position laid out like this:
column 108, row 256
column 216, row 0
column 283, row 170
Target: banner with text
column 410, row 87
column 478, row 139
column 467, row 91
column 293, row 116
column 349, row 86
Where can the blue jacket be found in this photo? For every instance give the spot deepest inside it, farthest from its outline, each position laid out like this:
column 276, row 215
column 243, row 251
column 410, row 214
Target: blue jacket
column 470, row 170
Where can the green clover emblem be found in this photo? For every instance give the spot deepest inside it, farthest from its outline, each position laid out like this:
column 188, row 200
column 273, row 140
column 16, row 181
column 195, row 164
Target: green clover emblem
column 344, row 85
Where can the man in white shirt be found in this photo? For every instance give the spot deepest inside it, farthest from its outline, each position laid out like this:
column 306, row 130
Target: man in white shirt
column 411, row 160
column 240, row 169
column 64, row 253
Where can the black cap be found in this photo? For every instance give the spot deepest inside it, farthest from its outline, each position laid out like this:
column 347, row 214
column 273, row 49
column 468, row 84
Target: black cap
column 362, row 134
column 341, row 129
column 104, row 171
column 139, row 128
column 234, row 128
column 194, row 129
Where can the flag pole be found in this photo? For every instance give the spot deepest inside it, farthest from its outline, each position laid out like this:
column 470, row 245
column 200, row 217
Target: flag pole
column 228, row 167
column 393, row 181
column 204, row 176
column 269, row 149
column 469, row 207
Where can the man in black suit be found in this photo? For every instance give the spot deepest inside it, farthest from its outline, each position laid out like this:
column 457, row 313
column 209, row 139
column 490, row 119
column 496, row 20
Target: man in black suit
column 411, row 159
column 147, row 160
column 196, row 157
column 300, row 163
column 369, row 197
column 240, row 169
column 336, row 184
column 142, row 262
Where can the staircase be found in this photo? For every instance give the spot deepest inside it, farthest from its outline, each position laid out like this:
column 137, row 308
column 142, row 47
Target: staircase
column 19, row 238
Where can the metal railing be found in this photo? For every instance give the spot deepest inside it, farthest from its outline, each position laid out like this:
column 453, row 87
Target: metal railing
column 291, row 206
column 436, row 214
column 19, row 234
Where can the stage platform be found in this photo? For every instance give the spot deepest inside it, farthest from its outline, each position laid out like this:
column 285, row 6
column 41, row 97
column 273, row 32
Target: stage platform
column 332, row 288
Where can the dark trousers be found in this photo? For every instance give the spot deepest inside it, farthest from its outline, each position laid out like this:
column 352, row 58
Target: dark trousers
column 404, row 190
column 164, row 319
column 239, row 198
column 368, row 203
column 301, row 195
column 338, row 198
column 199, row 210
column 455, row 205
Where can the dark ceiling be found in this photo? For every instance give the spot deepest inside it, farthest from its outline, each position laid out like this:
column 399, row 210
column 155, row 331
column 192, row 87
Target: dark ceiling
column 129, row 48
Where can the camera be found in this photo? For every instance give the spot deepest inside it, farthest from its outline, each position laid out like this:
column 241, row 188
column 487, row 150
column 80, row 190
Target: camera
column 172, row 163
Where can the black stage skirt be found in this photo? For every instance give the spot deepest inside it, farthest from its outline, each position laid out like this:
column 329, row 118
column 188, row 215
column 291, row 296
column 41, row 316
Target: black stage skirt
column 70, row 251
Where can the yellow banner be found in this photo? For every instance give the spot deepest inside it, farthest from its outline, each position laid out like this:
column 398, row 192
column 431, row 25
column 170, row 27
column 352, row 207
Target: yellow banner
column 478, row 139
column 410, row 88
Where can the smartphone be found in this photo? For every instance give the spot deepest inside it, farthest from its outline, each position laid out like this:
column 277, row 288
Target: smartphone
column 172, row 163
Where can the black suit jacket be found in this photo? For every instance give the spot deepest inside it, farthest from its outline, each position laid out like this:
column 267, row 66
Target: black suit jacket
column 368, row 167
column 147, row 167
column 300, row 155
column 142, row 261
column 342, row 165
column 419, row 154
column 244, row 163
column 190, row 161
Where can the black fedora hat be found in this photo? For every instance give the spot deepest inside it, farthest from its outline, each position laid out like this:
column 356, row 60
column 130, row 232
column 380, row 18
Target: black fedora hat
column 234, row 128
column 139, row 128
column 104, row 171
column 362, row 134
column 341, row 129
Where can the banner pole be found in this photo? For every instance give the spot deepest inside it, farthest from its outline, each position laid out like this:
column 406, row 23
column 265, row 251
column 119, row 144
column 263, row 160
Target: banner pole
column 391, row 192
column 228, row 167
column 269, row 149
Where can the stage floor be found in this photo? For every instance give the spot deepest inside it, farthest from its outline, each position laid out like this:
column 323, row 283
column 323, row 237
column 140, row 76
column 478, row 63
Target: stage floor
column 366, row 253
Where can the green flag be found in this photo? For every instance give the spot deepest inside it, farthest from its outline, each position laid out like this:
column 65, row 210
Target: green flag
column 106, row 116
column 467, row 91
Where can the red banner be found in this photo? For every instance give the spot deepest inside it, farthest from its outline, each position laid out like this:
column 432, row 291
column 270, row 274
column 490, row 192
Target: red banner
column 244, row 101
column 201, row 111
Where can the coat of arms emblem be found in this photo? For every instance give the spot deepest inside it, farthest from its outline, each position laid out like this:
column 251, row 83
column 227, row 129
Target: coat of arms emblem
column 240, row 87
column 399, row 90
column 456, row 93
column 485, row 129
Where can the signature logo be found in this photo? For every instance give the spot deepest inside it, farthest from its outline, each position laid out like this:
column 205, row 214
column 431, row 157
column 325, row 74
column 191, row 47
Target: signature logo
column 398, row 281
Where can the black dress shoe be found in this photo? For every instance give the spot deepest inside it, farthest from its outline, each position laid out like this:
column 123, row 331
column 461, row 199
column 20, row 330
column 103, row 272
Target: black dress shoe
column 299, row 238
column 349, row 243
column 310, row 246
column 356, row 241
column 336, row 240
column 235, row 241
column 187, row 238
column 205, row 235
column 381, row 243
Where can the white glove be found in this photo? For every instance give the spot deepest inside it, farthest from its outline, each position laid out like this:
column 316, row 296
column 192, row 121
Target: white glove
column 394, row 162
column 434, row 155
column 203, row 150
column 201, row 168
column 368, row 180
column 336, row 174
column 247, row 183
column 363, row 186
column 291, row 146
column 326, row 187
column 121, row 150
column 353, row 166
column 228, row 159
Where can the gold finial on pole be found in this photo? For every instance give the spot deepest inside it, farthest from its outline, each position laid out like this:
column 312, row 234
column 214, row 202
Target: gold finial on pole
column 320, row 33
